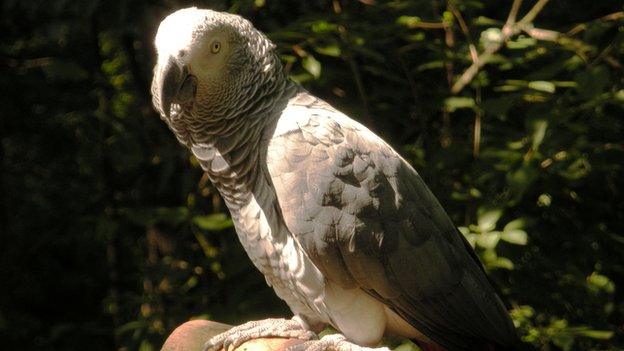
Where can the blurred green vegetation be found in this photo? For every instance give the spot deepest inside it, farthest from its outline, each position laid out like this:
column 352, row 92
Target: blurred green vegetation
column 111, row 236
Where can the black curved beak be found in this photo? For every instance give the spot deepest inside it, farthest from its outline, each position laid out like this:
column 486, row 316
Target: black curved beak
column 172, row 84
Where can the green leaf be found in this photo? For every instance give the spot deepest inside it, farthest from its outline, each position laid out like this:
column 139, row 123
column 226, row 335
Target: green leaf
column 577, row 170
column 301, row 78
column 600, row 282
column 596, row 334
column 311, row 65
column 515, row 236
column 322, row 27
column 490, row 37
column 470, row 237
column 406, row 346
column 564, row 340
column 485, row 21
column 408, row 21
column 517, row 223
column 541, row 85
column 457, row 102
column 539, row 131
column 216, row 221
column 487, row 219
column 521, row 179
column 488, row 256
column 501, row 262
column 544, row 200
column 130, row 326
column 329, row 50
column 430, row 65
column 146, row 346
column 521, row 43
column 488, row 240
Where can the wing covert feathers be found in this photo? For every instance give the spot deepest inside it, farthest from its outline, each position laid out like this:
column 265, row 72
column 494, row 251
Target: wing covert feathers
column 367, row 220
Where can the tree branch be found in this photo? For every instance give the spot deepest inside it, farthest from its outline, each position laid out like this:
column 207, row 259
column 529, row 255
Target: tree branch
column 464, row 28
column 427, row 25
column 510, row 29
column 513, row 13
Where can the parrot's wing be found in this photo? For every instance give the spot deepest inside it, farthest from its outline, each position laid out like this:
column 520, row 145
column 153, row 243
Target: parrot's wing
column 366, row 219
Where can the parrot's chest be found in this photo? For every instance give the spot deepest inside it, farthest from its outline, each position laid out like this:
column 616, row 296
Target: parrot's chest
column 275, row 252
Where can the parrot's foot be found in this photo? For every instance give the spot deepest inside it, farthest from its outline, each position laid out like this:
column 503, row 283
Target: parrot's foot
column 332, row 342
column 272, row 327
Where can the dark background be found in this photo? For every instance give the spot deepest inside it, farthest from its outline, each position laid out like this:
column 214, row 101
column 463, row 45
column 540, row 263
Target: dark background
column 110, row 236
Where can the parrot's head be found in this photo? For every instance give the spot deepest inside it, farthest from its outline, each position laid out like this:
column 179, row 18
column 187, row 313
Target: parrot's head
column 210, row 65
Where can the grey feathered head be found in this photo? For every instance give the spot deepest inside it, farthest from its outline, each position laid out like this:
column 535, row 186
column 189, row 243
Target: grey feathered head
column 211, row 66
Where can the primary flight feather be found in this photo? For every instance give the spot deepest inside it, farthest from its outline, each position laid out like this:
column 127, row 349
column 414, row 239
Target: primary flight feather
column 342, row 227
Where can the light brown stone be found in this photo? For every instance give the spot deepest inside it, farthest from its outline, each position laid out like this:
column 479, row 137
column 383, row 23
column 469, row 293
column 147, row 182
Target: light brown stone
column 192, row 335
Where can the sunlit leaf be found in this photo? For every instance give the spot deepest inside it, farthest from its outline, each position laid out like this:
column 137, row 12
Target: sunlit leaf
column 515, row 236
column 521, row 43
column 311, row 65
column 216, row 221
column 544, row 200
column 487, row 219
column 501, row 262
column 488, row 240
column 324, row 27
column 596, row 334
column 600, row 282
column 329, row 50
column 407, row 346
column 486, row 21
column 517, row 223
column 540, row 85
column 491, row 36
column 408, row 21
column 457, row 102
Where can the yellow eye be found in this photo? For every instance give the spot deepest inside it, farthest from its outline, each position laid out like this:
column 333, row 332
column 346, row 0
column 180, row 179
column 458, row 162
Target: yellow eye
column 215, row 47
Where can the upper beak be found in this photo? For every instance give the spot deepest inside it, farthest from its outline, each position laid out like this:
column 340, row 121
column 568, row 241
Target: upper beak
column 171, row 84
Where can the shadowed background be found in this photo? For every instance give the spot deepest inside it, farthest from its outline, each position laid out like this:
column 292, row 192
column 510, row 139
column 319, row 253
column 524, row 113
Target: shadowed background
column 110, row 237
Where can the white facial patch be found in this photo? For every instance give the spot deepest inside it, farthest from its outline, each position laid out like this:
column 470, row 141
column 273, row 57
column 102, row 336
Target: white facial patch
column 177, row 32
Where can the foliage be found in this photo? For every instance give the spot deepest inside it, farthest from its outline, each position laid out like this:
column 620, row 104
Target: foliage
column 112, row 237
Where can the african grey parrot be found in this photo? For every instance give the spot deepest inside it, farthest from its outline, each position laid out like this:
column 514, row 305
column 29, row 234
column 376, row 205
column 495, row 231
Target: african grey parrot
column 341, row 226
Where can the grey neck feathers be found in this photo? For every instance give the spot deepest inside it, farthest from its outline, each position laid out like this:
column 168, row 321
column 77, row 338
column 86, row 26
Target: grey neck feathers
column 229, row 146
